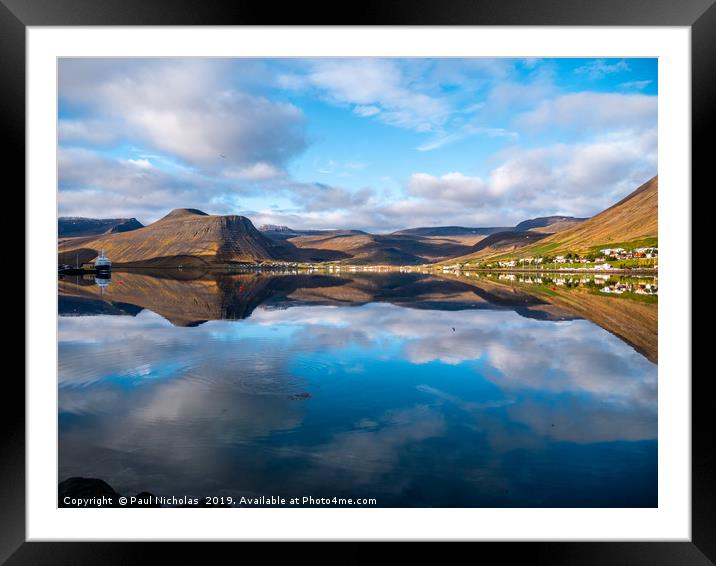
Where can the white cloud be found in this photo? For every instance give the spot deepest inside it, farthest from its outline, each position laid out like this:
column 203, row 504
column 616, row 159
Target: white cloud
column 635, row 85
column 201, row 141
column 579, row 179
column 509, row 96
column 366, row 111
column 93, row 131
column 592, row 111
column 451, row 186
column 184, row 108
column 375, row 87
column 312, row 197
column 143, row 163
column 101, row 187
column 260, row 171
column 600, row 68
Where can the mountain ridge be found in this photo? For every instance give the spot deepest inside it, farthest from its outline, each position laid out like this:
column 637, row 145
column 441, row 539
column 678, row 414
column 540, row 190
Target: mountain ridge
column 188, row 236
column 185, row 233
column 79, row 226
column 633, row 218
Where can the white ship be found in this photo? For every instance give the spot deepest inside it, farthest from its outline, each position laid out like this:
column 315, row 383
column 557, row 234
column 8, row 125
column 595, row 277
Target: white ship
column 102, row 263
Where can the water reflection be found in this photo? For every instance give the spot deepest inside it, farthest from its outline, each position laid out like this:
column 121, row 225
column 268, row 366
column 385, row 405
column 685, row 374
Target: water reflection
column 414, row 389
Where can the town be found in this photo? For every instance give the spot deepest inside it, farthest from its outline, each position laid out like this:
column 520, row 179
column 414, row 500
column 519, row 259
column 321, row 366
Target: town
column 642, row 258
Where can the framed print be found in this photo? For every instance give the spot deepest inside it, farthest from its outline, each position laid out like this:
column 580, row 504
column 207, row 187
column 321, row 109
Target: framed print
column 392, row 279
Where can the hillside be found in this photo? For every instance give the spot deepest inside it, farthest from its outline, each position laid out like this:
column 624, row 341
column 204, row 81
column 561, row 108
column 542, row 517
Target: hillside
column 190, row 237
column 393, row 249
column 74, row 226
column 548, row 224
column 500, row 244
column 182, row 237
column 447, row 231
column 632, row 219
column 290, row 233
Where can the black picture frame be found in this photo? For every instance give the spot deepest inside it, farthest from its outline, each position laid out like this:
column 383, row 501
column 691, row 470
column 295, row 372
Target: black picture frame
column 17, row 15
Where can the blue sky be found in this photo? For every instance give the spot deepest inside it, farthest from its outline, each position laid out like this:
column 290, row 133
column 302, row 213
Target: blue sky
column 373, row 144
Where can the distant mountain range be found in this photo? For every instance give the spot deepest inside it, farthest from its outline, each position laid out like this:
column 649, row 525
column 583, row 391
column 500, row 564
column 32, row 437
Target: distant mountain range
column 448, row 231
column 190, row 237
column 73, row 226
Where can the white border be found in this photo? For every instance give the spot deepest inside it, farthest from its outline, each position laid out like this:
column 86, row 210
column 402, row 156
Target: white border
column 670, row 521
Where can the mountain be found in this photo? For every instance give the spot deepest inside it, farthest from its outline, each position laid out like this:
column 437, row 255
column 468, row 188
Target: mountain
column 388, row 249
column 548, row 224
column 508, row 241
column 447, row 231
column 633, row 218
column 631, row 221
column 501, row 243
column 185, row 236
column 75, row 226
column 190, row 237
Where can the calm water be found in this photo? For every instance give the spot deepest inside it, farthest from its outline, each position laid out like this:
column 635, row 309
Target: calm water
column 412, row 389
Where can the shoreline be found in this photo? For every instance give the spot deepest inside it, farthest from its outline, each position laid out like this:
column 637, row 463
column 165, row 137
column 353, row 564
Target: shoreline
column 577, row 271
column 383, row 268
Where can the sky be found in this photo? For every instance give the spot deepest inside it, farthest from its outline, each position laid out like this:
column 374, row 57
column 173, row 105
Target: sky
column 370, row 144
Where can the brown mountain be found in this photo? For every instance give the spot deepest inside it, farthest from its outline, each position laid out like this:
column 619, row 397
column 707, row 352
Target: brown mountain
column 74, row 226
column 183, row 237
column 389, row 249
column 548, row 224
column 634, row 218
column 448, row 231
column 505, row 242
column 190, row 237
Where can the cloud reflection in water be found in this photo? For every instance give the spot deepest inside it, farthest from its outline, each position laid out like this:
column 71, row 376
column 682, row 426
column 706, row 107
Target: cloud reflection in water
column 502, row 411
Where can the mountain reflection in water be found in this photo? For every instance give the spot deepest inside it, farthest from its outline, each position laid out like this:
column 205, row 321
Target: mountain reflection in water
column 414, row 389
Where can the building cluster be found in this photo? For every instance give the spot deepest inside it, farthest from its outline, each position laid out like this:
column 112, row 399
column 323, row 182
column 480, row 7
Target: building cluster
column 565, row 259
column 636, row 253
column 596, row 261
column 521, row 262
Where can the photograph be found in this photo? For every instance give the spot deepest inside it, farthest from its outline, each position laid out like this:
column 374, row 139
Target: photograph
column 358, row 282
